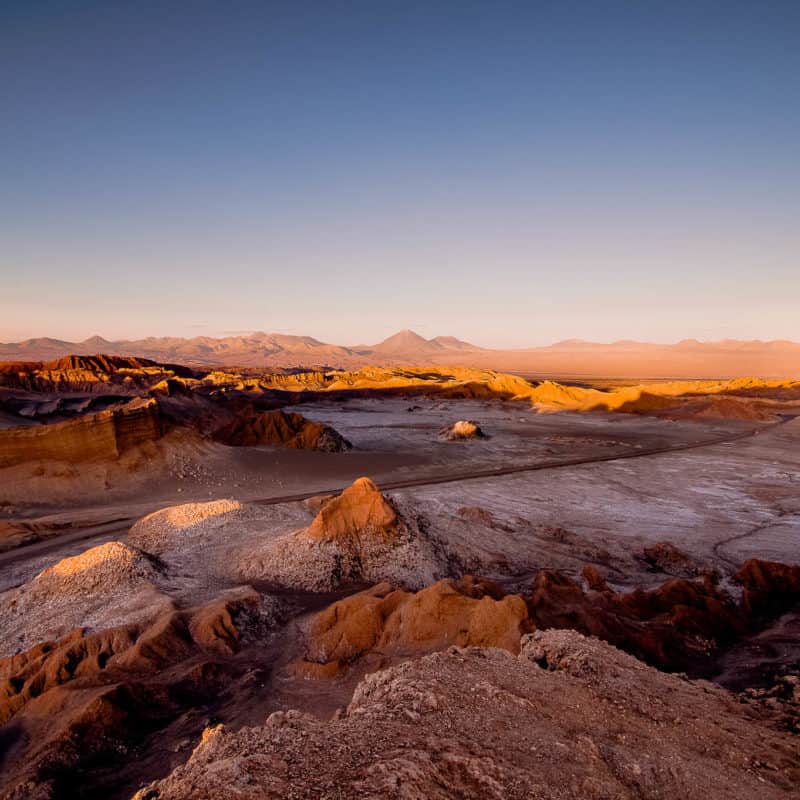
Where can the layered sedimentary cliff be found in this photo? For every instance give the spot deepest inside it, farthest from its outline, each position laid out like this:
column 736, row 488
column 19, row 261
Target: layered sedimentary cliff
column 101, row 373
column 96, row 437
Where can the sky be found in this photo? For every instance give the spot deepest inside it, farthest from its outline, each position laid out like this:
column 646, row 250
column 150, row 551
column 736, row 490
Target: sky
column 512, row 173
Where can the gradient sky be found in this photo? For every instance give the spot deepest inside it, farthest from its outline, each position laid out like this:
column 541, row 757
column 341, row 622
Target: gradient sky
column 511, row 173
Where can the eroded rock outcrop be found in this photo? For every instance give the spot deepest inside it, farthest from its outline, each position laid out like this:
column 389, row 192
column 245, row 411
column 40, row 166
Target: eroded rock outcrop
column 567, row 717
column 87, row 698
column 282, row 429
column 359, row 513
column 357, row 537
column 384, row 622
column 681, row 625
column 92, row 374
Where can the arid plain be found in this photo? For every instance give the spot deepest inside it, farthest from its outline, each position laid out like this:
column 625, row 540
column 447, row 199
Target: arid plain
column 378, row 580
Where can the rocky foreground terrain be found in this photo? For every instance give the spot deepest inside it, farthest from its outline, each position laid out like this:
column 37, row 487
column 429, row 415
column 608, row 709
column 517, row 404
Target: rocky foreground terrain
column 187, row 643
column 568, row 717
column 565, row 591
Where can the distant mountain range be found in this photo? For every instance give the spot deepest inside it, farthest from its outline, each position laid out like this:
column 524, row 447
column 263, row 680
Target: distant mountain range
column 570, row 358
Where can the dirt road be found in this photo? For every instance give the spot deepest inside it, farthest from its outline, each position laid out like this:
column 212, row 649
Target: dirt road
column 121, row 526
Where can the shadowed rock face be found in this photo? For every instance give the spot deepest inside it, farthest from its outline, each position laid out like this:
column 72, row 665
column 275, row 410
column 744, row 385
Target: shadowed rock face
column 82, row 701
column 769, row 588
column 568, row 717
column 282, row 429
column 683, row 625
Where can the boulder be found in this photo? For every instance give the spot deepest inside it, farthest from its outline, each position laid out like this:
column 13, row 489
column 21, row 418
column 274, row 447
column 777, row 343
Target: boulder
column 462, row 430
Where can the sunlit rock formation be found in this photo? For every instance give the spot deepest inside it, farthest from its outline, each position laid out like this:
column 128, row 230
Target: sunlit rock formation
column 357, row 537
column 462, row 431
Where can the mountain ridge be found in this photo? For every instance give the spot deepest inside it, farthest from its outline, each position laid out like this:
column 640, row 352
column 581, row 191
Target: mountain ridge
column 688, row 358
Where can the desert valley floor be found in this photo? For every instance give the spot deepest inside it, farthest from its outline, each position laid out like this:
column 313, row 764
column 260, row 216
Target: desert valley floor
column 331, row 585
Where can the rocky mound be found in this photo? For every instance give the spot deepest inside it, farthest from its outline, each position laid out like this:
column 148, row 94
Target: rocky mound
column 108, row 567
column 281, row 429
column 665, row 557
column 88, row 699
column 461, row 430
column 171, row 528
column 384, row 622
column 781, row 695
column 357, row 537
column 172, row 387
column 98, row 588
column 569, row 717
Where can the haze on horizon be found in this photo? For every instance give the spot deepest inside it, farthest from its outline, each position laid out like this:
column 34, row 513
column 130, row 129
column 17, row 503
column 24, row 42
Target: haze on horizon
column 511, row 173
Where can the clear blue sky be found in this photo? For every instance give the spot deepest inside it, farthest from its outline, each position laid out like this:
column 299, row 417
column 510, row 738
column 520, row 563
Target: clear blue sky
column 512, row 173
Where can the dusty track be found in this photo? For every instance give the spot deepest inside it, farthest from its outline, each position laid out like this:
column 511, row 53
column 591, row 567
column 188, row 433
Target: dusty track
column 718, row 547
column 122, row 525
